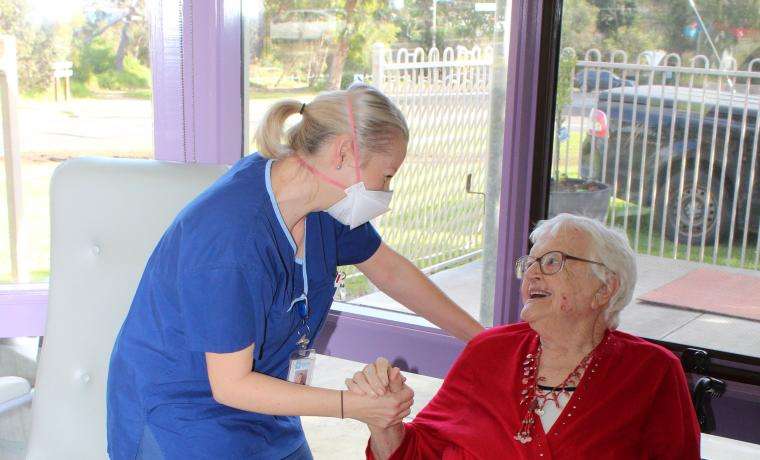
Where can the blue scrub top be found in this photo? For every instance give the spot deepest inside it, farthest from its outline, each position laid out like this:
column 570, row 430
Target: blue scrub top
column 222, row 277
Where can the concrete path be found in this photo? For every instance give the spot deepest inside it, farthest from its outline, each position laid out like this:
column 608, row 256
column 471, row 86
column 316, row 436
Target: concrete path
column 718, row 332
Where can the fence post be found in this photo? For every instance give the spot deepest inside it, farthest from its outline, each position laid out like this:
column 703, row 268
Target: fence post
column 378, row 59
column 12, row 156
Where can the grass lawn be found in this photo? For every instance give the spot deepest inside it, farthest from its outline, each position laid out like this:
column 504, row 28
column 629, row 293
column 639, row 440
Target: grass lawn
column 35, row 177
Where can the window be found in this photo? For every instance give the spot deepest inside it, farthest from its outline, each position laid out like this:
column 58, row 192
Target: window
column 444, row 213
column 83, row 89
column 640, row 145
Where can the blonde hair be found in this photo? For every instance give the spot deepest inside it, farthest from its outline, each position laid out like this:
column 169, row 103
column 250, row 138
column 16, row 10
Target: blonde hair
column 376, row 117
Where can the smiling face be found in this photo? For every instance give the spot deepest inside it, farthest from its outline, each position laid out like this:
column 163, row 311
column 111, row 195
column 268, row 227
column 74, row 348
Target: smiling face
column 575, row 293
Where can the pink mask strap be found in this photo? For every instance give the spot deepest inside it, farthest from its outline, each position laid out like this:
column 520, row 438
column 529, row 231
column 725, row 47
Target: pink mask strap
column 355, row 149
column 316, row 172
column 354, row 140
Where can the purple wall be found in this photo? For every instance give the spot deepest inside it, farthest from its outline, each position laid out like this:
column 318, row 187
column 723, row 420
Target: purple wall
column 23, row 311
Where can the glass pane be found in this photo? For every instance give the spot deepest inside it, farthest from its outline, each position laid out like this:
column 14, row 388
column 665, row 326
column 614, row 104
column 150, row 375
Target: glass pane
column 657, row 135
column 443, row 64
column 78, row 84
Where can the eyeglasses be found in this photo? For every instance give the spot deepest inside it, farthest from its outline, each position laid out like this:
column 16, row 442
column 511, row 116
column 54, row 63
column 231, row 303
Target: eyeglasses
column 549, row 263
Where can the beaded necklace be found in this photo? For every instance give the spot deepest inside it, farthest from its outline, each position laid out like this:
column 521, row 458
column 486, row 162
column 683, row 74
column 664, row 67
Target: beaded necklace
column 536, row 400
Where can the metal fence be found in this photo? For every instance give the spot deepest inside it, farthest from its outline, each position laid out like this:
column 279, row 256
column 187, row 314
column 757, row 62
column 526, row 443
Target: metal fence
column 444, row 96
column 676, row 144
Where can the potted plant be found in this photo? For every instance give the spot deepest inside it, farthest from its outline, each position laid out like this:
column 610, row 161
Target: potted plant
column 574, row 195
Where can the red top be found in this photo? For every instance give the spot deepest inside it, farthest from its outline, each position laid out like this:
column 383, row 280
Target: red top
column 632, row 403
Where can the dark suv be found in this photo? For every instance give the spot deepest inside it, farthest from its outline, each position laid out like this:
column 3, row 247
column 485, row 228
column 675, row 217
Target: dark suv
column 679, row 151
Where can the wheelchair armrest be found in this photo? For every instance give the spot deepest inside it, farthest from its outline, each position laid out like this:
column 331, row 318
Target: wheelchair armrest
column 14, row 392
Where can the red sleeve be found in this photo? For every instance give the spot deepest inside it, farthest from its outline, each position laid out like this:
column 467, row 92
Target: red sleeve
column 433, row 430
column 672, row 430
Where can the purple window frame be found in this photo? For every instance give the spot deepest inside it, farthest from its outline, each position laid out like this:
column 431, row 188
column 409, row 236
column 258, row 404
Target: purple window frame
column 196, row 45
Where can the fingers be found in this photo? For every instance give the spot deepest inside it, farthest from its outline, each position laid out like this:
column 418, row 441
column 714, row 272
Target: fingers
column 405, row 394
column 371, row 374
column 401, row 417
column 354, row 388
column 382, row 368
column 397, row 380
column 360, row 379
column 406, row 405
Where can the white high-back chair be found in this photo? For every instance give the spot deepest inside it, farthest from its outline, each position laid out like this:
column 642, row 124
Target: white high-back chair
column 106, row 217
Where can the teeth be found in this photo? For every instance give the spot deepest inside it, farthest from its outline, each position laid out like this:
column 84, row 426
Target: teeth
column 541, row 294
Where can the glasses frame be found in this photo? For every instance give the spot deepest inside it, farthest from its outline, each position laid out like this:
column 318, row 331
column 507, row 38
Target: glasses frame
column 539, row 259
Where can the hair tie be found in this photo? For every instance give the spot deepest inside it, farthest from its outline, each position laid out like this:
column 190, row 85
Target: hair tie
column 303, row 106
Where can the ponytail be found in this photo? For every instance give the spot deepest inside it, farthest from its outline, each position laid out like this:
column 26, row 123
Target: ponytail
column 271, row 130
column 377, row 120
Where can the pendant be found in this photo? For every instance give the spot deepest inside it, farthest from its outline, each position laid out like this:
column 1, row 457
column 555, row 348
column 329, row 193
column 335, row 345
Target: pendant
column 523, row 438
column 539, row 411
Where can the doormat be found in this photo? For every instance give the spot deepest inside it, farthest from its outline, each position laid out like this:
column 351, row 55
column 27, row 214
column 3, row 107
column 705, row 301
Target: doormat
column 711, row 291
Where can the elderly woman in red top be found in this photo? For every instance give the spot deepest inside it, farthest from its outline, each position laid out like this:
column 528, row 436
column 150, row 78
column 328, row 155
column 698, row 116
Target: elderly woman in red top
column 564, row 384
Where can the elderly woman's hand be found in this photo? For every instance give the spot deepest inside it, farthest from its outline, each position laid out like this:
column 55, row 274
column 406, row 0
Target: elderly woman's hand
column 375, row 380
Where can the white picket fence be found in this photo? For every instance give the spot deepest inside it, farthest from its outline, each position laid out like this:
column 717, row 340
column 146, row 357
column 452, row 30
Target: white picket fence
column 444, row 95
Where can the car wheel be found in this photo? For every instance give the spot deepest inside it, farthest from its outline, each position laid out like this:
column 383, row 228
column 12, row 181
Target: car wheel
column 698, row 203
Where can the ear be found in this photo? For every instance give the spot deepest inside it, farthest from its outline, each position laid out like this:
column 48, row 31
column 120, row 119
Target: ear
column 344, row 151
column 606, row 291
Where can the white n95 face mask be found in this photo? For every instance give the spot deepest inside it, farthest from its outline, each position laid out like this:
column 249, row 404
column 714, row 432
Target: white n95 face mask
column 360, row 205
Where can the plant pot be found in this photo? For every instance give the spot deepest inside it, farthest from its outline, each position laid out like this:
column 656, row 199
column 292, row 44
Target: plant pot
column 581, row 197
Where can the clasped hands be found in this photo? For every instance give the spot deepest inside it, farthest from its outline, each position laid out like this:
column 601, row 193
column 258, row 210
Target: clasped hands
column 383, row 389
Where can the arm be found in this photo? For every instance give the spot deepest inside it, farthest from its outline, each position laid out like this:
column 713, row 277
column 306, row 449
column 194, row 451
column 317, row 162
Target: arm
column 430, row 435
column 383, row 442
column 405, row 283
column 233, row 384
column 379, row 378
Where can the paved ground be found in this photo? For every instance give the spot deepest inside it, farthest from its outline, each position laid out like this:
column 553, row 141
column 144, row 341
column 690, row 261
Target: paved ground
column 735, row 335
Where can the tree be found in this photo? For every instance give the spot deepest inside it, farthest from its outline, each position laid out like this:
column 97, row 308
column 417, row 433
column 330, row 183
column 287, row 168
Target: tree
column 35, row 52
column 346, row 49
column 338, row 60
column 457, row 23
column 614, row 14
column 579, row 26
column 130, row 16
column 133, row 9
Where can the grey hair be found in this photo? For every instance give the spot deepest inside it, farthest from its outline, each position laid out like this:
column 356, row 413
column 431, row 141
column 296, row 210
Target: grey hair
column 608, row 246
column 377, row 120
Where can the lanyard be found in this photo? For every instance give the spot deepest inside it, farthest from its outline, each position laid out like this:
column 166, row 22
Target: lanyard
column 302, row 303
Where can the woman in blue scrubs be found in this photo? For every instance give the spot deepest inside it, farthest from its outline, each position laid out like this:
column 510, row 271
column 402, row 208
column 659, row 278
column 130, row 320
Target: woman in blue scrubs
column 242, row 280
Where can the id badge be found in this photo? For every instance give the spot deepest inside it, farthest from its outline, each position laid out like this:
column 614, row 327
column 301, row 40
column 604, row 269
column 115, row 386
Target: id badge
column 301, row 368
column 340, row 285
